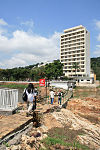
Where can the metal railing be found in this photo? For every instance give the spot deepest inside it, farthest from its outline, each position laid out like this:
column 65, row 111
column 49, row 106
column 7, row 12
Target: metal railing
column 8, row 99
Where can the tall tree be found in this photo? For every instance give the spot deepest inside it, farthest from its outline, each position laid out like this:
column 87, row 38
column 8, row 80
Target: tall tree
column 54, row 70
column 76, row 67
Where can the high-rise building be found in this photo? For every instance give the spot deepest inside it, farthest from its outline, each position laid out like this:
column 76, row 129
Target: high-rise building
column 75, row 51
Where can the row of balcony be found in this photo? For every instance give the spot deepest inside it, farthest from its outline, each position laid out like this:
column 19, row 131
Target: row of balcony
column 71, row 60
column 72, row 52
column 70, row 64
column 66, row 55
column 73, row 45
column 72, row 42
column 73, row 49
column 72, row 34
column 73, row 71
column 70, row 67
column 77, row 55
column 74, row 38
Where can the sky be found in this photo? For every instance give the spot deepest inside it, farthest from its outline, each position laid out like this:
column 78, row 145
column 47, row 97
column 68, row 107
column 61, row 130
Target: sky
column 30, row 29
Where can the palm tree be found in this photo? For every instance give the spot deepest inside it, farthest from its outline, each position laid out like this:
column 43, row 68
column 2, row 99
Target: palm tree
column 75, row 66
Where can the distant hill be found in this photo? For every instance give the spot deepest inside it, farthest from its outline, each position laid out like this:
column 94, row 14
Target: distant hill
column 34, row 72
column 95, row 66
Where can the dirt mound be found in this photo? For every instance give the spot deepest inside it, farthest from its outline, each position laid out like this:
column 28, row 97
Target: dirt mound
column 91, row 136
column 88, row 108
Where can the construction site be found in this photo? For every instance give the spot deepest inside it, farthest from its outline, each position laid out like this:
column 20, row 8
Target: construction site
column 75, row 124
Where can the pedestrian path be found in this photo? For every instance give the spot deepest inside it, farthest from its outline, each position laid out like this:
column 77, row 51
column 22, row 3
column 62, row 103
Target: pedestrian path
column 12, row 123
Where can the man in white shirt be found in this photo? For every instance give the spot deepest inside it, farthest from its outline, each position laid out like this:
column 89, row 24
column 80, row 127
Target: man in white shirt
column 52, row 96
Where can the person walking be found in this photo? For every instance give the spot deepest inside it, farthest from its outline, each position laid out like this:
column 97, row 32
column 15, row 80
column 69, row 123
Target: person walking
column 71, row 91
column 52, row 96
column 59, row 97
column 30, row 98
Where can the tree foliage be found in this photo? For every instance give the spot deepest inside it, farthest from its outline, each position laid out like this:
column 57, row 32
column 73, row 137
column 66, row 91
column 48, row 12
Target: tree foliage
column 50, row 71
column 54, row 70
column 95, row 66
column 32, row 72
column 75, row 66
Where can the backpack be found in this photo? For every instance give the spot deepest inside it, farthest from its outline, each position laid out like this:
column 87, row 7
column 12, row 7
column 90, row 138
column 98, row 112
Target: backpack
column 24, row 96
column 59, row 94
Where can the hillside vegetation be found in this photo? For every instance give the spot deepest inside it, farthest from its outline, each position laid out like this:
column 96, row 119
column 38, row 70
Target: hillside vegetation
column 33, row 72
column 49, row 71
column 95, row 66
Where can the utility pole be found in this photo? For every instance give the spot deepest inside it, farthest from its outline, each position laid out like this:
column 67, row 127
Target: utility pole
column 46, row 88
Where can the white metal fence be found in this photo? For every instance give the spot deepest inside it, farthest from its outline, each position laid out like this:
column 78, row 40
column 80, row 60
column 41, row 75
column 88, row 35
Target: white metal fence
column 8, row 99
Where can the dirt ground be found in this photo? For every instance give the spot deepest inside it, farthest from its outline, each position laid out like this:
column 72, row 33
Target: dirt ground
column 86, row 106
column 80, row 121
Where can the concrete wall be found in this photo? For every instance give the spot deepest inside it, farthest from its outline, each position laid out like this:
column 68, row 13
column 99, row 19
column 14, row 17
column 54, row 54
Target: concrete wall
column 62, row 84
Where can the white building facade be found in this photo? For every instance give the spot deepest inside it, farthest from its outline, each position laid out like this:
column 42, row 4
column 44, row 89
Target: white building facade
column 75, row 49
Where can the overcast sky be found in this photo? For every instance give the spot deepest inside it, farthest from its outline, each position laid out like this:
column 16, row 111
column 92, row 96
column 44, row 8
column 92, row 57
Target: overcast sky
column 30, row 29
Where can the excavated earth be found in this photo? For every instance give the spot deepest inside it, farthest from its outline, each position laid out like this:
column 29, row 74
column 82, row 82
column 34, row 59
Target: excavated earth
column 80, row 121
column 83, row 115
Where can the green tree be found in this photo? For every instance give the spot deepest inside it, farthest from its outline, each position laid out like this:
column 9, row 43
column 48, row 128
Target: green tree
column 95, row 66
column 20, row 74
column 5, row 74
column 2, row 74
column 76, row 67
column 37, row 73
column 54, row 70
